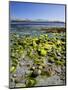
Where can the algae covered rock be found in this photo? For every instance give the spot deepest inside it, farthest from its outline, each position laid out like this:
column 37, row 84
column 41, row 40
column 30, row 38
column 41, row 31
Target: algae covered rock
column 39, row 54
column 12, row 69
column 30, row 82
column 43, row 52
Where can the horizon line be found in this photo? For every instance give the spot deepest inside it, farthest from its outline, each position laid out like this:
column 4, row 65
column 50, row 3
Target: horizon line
column 36, row 20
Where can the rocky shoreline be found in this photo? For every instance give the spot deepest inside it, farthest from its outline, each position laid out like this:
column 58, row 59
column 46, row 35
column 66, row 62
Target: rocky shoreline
column 37, row 61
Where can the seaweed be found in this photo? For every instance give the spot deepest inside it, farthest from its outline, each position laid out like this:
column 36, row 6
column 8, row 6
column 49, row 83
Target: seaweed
column 42, row 50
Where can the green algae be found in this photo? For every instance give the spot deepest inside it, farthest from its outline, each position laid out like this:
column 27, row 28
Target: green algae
column 31, row 82
column 40, row 50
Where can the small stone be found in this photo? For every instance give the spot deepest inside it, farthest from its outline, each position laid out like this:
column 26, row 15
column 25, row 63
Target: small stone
column 14, row 75
column 33, row 67
column 39, row 72
column 40, row 67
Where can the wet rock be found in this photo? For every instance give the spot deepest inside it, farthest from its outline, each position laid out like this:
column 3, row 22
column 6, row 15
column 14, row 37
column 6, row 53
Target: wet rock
column 20, row 85
column 58, row 69
column 35, row 73
column 53, row 80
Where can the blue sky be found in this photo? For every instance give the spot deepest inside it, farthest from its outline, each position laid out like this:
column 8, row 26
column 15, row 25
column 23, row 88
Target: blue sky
column 35, row 11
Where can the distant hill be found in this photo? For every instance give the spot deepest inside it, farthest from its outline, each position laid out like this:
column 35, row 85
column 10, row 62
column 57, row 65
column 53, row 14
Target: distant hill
column 35, row 21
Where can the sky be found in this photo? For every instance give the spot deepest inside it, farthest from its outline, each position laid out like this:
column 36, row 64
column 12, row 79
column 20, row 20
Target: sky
column 35, row 11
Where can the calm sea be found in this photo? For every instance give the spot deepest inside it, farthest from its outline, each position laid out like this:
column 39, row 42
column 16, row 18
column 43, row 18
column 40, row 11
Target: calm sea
column 32, row 28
